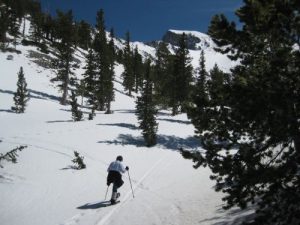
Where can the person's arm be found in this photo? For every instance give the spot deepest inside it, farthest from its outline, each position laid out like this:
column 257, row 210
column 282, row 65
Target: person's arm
column 108, row 169
column 123, row 169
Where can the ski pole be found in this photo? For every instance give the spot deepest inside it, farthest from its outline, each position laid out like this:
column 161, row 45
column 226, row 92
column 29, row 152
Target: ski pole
column 106, row 192
column 130, row 182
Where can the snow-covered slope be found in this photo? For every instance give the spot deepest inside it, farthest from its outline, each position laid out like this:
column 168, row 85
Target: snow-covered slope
column 42, row 188
column 202, row 42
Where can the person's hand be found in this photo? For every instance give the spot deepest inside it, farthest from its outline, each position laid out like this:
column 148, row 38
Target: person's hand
column 127, row 168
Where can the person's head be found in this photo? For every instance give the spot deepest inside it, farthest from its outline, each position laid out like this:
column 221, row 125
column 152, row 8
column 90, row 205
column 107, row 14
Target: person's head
column 120, row 158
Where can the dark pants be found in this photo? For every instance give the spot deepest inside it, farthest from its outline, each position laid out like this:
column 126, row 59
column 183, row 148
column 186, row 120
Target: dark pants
column 115, row 178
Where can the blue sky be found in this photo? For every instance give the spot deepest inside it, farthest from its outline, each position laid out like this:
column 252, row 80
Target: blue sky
column 147, row 20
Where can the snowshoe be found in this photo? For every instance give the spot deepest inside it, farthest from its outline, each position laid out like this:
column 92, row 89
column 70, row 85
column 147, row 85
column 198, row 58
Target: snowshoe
column 114, row 198
column 113, row 202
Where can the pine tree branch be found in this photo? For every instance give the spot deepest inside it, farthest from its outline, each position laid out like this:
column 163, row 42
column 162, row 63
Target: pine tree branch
column 11, row 156
column 276, row 156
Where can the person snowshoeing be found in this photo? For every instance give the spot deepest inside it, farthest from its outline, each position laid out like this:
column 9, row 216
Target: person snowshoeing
column 115, row 170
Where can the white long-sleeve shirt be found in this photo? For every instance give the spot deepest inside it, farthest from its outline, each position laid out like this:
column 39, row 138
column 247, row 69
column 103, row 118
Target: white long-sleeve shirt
column 116, row 166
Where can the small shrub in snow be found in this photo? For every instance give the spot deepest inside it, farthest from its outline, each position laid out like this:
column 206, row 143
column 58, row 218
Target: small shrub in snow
column 78, row 161
column 10, row 57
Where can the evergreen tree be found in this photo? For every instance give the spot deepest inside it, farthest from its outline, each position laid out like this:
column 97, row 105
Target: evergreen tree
column 102, row 57
column 252, row 141
column 11, row 13
column 110, row 95
column 202, row 74
column 84, row 37
column 181, row 77
column 89, row 81
column 36, row 22
column 64, row 45
column 145, row 110
column 48, row 27
column 137, row 69
column 162, row 75
column 76, row 113
column 200, row 98
column 21, row 97
column 80, row 88
column 14, row 25
column 4, row 16
column 128, row 76
column 217, row 87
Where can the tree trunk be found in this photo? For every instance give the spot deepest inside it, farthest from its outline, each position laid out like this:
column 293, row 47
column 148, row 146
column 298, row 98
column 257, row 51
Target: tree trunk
column 65, row 94
column 108, row 111
column 65, row 86
column 24, row 26
column 296, row 139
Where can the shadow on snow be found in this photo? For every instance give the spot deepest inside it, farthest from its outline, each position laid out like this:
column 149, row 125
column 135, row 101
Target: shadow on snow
column 166, row 141
column 34, row 94
column 7, row 110
column 175, row 121
column 232, row 217
column 59, row 121
column 124, row 125
column 95, row 205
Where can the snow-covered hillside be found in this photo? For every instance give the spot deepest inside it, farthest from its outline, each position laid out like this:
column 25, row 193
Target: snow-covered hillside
column 204, row 43
column 42, row 188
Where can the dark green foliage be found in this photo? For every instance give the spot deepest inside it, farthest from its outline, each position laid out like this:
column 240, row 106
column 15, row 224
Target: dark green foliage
column 11, row 14
column 89, row 80
column 201, row 87
column 200, row 97
column 76, row 112
column 104, row 73
column 181, row 78
column 195, row 156
column 250, row 129
column 109, row 93
column 146, row 111
column 217, row 86
column 64, row 45
column 83, row 34
column 221, row 30
column 78, row 161
column 162, row 75
column 14, row 25
column 12, row 155
column 128, row 75
column 137, row 69
column 4, row 16
column 48, row 26
column 21, row 96
column 36, row 22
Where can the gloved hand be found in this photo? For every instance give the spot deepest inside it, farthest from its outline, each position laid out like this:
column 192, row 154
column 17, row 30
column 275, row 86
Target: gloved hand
column 127, row 168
